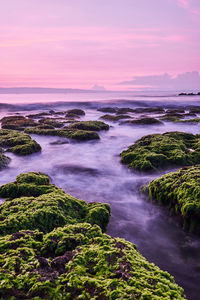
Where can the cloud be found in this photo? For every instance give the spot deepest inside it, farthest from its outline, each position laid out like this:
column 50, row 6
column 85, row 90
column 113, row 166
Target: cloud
column 184, row 81
column 190, row 6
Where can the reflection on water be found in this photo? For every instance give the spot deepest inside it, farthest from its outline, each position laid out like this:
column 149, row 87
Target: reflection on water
column 92, row 172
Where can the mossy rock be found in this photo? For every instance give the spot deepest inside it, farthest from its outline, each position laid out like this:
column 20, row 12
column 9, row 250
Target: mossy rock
column 52, row 122
column 145, row 121
column 180, row 191
column 156, row 151
column 18, row 142
column 79, row 262
column 17, row 122
column 114, row 118
column 108, row 109
column 33, row 203
column 124, row 110
column 90, row 125
column 76, row 134
column 75, row 112
column 155, row 110
column 4, row 160
column 194, row 120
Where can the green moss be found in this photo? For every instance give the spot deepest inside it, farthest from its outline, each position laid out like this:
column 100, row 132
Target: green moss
column 18, row 143
column 52, row 122
column 16, row 122
column 76, row 111
column 80, row 135
column 145, row 121
column 90, row 125
column 115, row 118
column 33, row 203
column 79, row 262
column 181, row 192
column 157, row 151
column 194, row 120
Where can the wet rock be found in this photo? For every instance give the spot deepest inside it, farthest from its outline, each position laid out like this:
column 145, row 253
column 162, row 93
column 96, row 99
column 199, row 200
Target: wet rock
column 90, row 125
column 155, row 110
column 144, row 121
column 18, row 143
column 33, row 203
column 180, row 191
column 76, row 169
column 115, row 118
column 76, row 111
column 16, row 122
column 108, row 109
column 52, row 122
column 76, row 134
column 94, row 267
column 157, row 151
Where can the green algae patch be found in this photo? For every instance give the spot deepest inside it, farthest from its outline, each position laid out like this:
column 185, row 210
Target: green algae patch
column 79, row 262
column 193, row 120
column 115, row 118
column 180, row 191
column 156, row 151
column 33, row 203
column 18, row 142
column 76, row 134
column 90, row 125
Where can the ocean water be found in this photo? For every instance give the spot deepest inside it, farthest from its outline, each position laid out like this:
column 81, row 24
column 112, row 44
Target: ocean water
column 92, row 171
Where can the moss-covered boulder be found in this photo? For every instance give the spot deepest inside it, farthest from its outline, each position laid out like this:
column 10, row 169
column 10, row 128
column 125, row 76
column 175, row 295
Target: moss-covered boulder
column 193, row 120
column 33, row 203
column 90, row 125
column 18, row 142
column 76, row 111
column 79, row 262
column 71, row 133
column 157, row 151
column 4, row 160
column 17, row 122
column 155, row 110
column 52, row 122
column 145, row 121
column 180, row 191
column 108, row 109
column 114, row 118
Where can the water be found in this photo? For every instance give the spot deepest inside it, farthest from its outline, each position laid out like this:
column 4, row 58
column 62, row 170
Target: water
column 92, row 171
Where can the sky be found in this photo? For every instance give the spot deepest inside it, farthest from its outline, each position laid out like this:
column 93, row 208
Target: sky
column 100, row 44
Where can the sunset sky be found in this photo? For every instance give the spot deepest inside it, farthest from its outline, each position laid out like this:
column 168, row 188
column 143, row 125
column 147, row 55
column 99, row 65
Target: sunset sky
column 117, row 44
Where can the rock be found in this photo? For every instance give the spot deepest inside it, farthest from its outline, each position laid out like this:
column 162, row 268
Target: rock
column 90, row 125
column 158, row 151
column 76, row 134
column 78, row 260
column 180, row 191
column 76, row 111
column 16, row 122
column 144, row 121
column 108, row 109
column 33, row 203
column 18, row 143
column 115, row 118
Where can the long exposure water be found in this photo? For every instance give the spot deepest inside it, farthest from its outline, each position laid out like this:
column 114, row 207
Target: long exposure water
column 92, row 171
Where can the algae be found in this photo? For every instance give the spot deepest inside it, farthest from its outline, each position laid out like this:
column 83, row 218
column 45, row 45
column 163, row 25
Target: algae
column 180, row 191
column 79, row 262
column 156, row 151
column 90, row 125
column 33, row 203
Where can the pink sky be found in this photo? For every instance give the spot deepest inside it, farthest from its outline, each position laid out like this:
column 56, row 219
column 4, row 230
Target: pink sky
column 81, row 43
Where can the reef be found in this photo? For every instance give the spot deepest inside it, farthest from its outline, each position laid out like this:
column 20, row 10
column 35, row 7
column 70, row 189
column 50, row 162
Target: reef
column 33, row 203
column 18, row 142
column 4, row 160
column 76, row 134
column 79, row 262
column 76, row 111
column 90, row 125
column 17, row 122
column 144, row 121
column 114, row 118
column 156, row 151
column 52, row 122
column 180, row 191
column 108, row 109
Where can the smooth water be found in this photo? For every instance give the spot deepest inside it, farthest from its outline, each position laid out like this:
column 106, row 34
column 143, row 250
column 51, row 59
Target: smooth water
column 92, row 171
